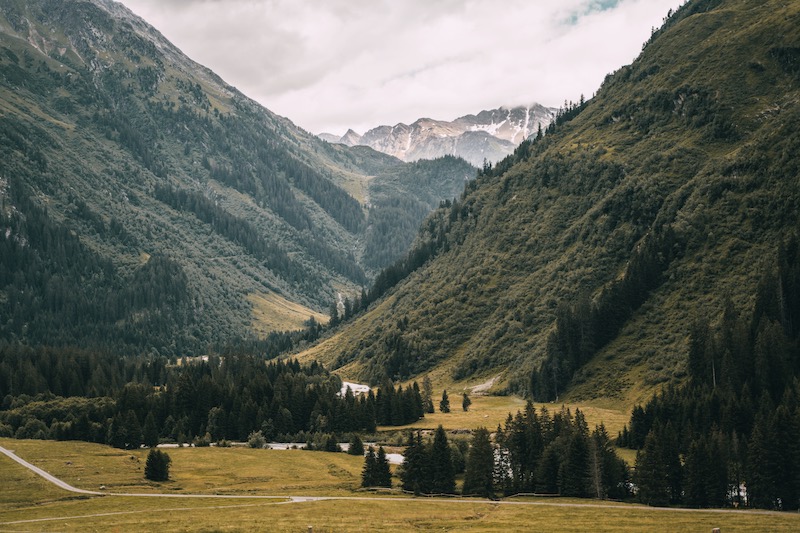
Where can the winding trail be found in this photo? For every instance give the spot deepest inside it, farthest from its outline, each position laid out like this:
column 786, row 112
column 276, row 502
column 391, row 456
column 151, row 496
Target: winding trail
column 49, row 477
column 282, row 500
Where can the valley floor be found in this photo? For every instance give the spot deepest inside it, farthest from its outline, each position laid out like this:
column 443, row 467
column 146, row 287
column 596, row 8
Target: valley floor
column 218, row 489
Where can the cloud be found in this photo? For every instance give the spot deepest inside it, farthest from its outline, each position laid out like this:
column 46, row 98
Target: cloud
column 333, row 64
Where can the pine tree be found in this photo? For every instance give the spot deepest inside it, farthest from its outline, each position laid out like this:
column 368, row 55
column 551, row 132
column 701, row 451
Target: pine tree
column 157, row 466
column 444, row 405
column 415, row 471
column 547, row 470
column 478, row 478
column 575, row 467
column 368, row 478
column 383, row 476
column 443, row 478
column 356, row 446
column 466, row 402
column 697, row 471
column 651, row 473
column 150, row 431
column 427, row 394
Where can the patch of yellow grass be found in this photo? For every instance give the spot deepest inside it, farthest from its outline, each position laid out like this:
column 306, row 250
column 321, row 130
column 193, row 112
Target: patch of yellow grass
column 195, row 470
column 404, row 515
column 27, row 503
column 272, row 312
column 489, row 411
column 50, row 509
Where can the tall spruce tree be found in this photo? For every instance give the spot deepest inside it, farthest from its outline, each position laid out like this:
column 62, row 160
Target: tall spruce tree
column 415, row 472
column 443, row 477
column 444, row 405
column 368, row 473
column 427, row 394
column 574, row 474
column 478, row 478
column 150, row 431
column 383, row 475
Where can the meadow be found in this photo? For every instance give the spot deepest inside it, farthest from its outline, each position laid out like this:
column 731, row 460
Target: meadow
column 28, row 503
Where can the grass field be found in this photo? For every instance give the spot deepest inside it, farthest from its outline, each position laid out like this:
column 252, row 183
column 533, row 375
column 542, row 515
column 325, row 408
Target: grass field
column 238, row 471
column 489, row 411
column 28, row 503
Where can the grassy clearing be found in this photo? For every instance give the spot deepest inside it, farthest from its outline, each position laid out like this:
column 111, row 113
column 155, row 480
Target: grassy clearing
column 489, row 411
column 272, row 312
column 196, row 470
column 43, row 507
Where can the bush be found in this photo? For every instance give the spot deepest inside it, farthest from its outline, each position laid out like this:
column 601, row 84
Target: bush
column 157, row 466
column 202, row 442
column 256, row 440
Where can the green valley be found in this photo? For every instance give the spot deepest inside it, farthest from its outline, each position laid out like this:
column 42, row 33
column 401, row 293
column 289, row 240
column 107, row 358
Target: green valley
column 611, row 312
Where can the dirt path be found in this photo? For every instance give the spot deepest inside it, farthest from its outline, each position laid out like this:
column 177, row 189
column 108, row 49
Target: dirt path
column 52, row 479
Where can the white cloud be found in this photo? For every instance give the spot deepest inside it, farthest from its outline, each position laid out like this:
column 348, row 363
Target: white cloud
column 333, row 64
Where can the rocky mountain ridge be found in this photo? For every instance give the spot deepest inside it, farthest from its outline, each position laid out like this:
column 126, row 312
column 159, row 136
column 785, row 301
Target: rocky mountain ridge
column 578, row 265
column 488, row 136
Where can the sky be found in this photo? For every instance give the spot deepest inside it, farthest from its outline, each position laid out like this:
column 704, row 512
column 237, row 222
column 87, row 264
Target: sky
column 331, row 65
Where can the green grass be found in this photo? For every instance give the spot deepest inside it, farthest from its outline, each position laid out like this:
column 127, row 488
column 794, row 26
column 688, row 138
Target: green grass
column 33, row 505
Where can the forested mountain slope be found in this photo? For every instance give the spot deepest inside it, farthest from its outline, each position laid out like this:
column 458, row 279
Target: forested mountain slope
column 147, row 205
column 582, row 260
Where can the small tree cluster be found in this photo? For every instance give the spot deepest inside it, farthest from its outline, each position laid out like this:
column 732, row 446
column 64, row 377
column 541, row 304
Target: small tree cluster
column 376, row 471
column 428, row 469
column 557, row 455
column 398, row 407
column 157, row 466
column 257, row 440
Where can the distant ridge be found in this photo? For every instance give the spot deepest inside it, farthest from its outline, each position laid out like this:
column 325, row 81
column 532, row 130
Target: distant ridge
column 487, row 136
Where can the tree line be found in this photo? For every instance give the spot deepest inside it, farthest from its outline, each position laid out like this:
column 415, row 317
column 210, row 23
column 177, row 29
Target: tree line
column 534, row 452
column 586, row 326
column 729, row 436
column 61, row 293
column 127, row 402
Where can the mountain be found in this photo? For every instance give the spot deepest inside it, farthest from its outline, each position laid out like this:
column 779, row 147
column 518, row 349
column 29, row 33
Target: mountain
column 148, row 206
column 487, row 136
column 580, row 262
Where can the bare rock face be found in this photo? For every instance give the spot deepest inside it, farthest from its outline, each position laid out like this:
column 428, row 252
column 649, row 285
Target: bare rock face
column 487, row 136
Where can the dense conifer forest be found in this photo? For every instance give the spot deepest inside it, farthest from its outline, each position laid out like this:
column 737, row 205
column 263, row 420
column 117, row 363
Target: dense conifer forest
column 730, row 435
column 126, row 402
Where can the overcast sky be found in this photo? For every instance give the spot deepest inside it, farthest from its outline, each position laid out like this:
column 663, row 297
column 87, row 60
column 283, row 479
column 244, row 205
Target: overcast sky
column 330, row 65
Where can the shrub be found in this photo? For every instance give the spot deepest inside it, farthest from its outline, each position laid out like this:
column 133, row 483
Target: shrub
column 256, row 440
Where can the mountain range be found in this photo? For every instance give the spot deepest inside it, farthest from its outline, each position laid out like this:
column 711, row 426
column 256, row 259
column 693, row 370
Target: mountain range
column 488, row 136
column 580, row 263
column 147, row 205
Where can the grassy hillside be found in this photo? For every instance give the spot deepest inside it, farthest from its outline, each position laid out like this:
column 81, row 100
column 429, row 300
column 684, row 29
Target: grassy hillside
column 115, row 148
column 652, row 203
